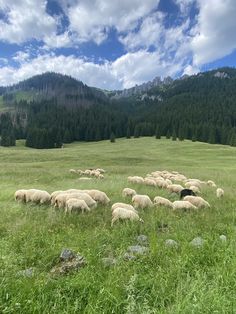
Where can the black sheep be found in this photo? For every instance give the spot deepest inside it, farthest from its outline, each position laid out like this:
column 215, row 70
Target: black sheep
column 186, row 192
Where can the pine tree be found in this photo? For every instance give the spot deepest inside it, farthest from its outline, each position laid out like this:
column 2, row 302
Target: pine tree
column 112, row 138
column 168, row 135
column 128, row 132
column 136, row 131
column 174, row 136
column 157, row 132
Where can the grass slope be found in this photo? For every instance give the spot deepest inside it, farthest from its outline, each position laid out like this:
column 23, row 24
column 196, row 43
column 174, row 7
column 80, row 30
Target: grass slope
column 184, row 280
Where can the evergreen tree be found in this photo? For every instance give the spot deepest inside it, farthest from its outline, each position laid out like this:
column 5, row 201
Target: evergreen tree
column 136, row 131
column 112, row 138
column 168, row 135
column 174, row 136
column 128, row 132
column 157, row 132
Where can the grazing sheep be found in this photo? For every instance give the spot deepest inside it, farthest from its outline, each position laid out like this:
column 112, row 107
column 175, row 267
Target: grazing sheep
column 128, row 192
column 83, row 196
column 28, row 194
column 123, row 205
column 141, row 201
column 98, row 196
column 72, row 171
column 186, row 192
column 197, row 201
column 124, row 214
column 161, row 201
column 136, row 179
column 149, row 181
column 183, row 205
column 54, row 195
column 195, row 189
column 220, row 192
column 211, row 183
column 101, row 170
column 190, row 183
column 20, row 195
column 42, row 197
column 60, row 200
column 76, row 204
column 101, row 176
column 175, row 188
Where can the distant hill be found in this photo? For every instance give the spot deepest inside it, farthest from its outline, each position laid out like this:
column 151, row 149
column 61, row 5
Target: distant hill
column 51, row 108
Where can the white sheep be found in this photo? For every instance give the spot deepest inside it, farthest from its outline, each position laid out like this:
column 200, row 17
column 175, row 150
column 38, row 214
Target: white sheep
column 20, row 195
column 76, row 204
column 42, row 197
column 197, row 201
column 149, row 181
column 82, row 196
column 29, row 194
column 195, row 189
column 123, row 205
column 124, row 214
column 54, row 195
column 141, row 201
column 136, row 179
column 161, row 201
column 60, row 200
column 220, row 192
column 183, row 205
column 211, row 183
column 72, row 171
column 98, row 196
column 128, row 192
column 190, row 183
column 175, row 188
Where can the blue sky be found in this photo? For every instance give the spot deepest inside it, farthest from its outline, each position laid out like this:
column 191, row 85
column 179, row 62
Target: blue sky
column 115, row 44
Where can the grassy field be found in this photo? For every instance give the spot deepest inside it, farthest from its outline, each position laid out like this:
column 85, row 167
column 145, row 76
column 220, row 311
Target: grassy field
column 167, row 280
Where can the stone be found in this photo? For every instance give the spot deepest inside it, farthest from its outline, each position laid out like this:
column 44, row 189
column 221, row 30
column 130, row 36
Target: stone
column 138, row 249
column 29, row 272
column 198, row 242
column 67, row 254
column 171, row 243
column 142, row 238
column 223, row 238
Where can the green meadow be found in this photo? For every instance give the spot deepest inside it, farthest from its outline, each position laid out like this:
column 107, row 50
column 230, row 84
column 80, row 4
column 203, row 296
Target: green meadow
column 180, row 280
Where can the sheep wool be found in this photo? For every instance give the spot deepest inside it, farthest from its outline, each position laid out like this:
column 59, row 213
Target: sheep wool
column 124, row 214
column 141, row 201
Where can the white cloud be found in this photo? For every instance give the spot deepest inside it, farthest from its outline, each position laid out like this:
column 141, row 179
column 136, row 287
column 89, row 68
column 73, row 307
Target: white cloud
column 25, row 20
column 92, row 20
column 215, row 35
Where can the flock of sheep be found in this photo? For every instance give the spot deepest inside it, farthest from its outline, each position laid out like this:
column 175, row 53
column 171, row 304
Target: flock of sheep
column 97, row 173
column 85, row 200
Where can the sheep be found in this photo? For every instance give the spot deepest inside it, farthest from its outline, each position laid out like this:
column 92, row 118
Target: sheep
column 190, row 183
column 98, row 196
column 211, row 183
column 136, row 179
column 72, row 171
column 161, row 201
column 60, row 200
column 175, row 188
column 101, row 170
column 76, row 204
column 197, row 201
column 123, row 205
column 149, row 181
column 183, row 205
column 128, row 192
column 20, row 195
column 186, row 192
column 220, row 192
column 28, row 194
column 195, row 189
column 82, row 196
column 123, row 214
column 141, row 201
column 101, row 176
column 41, row 197
column 54, row 195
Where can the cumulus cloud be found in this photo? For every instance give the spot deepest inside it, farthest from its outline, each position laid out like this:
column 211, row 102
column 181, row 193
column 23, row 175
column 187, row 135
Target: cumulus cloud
column 25, row 20
column 92, row 20
column 215, row 35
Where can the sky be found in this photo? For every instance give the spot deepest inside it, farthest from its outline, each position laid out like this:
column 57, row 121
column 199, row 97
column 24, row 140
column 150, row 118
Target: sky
column 115, row 44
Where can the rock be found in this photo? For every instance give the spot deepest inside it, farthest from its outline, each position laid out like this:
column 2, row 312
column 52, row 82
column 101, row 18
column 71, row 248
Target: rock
column 142, row 239
column 138, row 249
column 67, row 254
column 109, row 261
column 198, row 242
column 69, row 261
column 129, row 257
column 171, row 243
column 223, row 238
column 29, row 272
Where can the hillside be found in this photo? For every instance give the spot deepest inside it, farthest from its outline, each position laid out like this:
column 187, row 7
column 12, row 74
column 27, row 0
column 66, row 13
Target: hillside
column 51, row 108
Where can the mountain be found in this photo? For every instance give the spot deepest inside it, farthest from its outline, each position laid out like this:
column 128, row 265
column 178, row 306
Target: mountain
column 51, row 108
